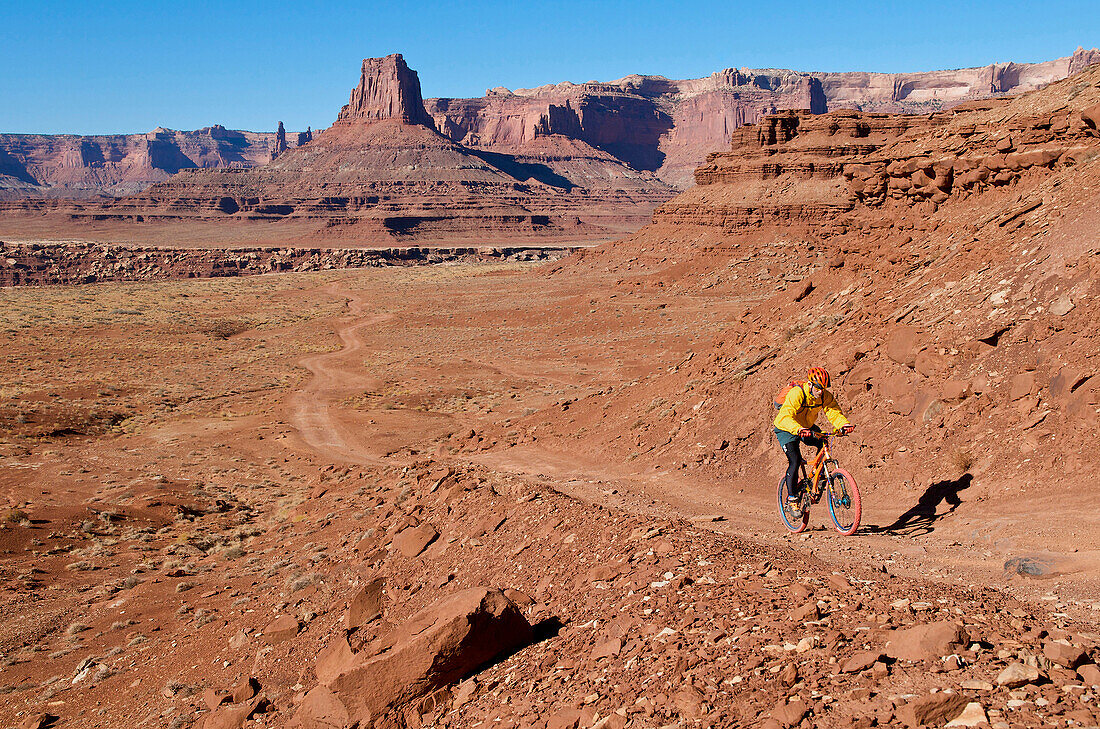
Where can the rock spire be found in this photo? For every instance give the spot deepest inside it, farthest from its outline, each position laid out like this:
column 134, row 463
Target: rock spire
column 280, row 142
column 388, row 89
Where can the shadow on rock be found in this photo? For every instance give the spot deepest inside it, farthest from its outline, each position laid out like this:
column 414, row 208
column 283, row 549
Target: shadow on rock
column 920, row 518
column 547, row 629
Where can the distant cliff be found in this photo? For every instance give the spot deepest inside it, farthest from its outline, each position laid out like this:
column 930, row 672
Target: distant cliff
column 67, row 165
column 667, row 126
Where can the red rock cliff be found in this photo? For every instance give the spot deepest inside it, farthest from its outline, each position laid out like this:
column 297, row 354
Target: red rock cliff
column 668, row 126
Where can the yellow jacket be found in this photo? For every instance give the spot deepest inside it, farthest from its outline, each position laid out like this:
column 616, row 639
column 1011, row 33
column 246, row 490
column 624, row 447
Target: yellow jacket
column 800, row 411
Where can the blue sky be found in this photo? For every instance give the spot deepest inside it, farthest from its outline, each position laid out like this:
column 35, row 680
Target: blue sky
column 93, row 68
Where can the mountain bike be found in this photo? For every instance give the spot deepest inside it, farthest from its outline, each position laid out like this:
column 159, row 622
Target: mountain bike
column 828, row 478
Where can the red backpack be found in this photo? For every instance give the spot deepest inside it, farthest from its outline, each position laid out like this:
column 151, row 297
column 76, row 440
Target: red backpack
column 781, row 396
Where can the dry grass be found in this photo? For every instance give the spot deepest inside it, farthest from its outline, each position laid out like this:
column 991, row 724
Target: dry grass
column 170, row 345
column 16, row 516
column 962, row 461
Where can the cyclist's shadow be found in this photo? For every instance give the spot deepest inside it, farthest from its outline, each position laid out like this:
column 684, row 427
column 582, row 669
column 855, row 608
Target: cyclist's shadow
column 919, row 519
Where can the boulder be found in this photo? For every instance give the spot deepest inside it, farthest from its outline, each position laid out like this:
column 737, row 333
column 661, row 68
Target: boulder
column 924, row 642
column 336, row 658
column 690, row 702
column 213, row 699
column 232, row 717
column 930, row 363
column 932, row 709
column 1065, row 654
column 414, row 540
column 1022, row 385
column 520, row 598
column 901, row 345
column 955, row 389
column 281, row 629
column 791, row 714
column 320, row 709
column 809, row 611
column 607, row 649
column 366, row 605
column 1016, row 675
column 1090, row 674
column 1062, row 306
column 435, row 647
column 37, row 721
column 244, row 690
column 860, row 661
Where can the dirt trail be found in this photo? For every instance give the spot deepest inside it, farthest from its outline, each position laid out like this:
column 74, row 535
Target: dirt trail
column 892, row 533
column 314, row 409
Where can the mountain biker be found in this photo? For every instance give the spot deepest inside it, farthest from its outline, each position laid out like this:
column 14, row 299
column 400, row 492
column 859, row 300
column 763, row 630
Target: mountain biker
column 795, row 424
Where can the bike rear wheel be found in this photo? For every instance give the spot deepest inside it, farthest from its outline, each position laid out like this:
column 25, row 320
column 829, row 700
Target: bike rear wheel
column 794, row 523
column 844, row 502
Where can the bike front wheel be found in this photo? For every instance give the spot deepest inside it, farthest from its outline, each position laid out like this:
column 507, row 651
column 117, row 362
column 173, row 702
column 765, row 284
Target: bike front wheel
column 844, row 502
column 794, row 523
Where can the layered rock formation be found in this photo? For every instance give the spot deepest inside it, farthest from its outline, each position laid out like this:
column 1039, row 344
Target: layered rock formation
column 387, row 89
column 382, row 173
column 43, row 165
column 915, row 93
column 668, row 126
column 811, row 169
column 648, row 123
column 52, row 264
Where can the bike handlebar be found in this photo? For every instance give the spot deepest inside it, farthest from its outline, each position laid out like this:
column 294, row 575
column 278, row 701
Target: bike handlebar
column 831, row 434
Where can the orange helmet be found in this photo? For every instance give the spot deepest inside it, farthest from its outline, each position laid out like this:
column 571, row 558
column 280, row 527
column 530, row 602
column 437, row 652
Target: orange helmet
column 819, row 376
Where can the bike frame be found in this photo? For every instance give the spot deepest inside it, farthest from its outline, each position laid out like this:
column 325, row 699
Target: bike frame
column 826, row 475
column 819, row 467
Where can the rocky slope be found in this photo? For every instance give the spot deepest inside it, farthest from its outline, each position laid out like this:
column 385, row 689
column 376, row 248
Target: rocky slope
column 941, row 266
column 291, row 591
column 37, row 165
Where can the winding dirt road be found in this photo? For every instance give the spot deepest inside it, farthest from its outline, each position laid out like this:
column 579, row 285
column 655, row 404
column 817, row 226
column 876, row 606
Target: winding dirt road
column 965, row 542
column 314, row 410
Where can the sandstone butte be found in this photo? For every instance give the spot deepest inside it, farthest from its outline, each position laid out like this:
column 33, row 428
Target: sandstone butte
column 565, row 162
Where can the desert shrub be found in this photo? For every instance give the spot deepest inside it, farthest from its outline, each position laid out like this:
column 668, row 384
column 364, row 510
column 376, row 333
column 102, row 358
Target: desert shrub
column 226, row 328
column 16, row 516
column 962, row 461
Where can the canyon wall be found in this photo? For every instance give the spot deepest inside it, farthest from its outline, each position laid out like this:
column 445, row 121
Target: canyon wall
column 65, row 165
column 941, row 266
column 648, row 123
column 668, row 126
